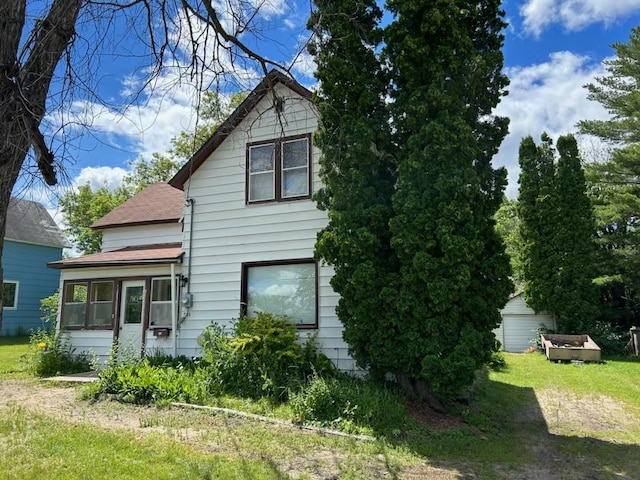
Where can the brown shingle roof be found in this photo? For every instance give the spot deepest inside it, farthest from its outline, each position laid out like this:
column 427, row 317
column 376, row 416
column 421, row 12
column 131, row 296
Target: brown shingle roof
column 157, row 203
column 265, row 86
column 145, row 255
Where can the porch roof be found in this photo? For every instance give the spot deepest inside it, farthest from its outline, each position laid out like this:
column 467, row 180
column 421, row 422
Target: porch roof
column 142, row 255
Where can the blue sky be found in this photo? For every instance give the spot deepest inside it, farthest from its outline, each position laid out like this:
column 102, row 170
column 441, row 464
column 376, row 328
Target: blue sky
column 552, row 49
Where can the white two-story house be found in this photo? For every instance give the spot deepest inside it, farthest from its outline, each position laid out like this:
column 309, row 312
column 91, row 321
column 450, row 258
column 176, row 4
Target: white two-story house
column 232, row 233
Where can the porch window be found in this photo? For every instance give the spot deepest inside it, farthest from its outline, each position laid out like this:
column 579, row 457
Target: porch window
column 160, row 312
column 88, row 304
column 9, row 295
column 279, row 170
column 286, row 288
column 101, row 304
column 74, row 305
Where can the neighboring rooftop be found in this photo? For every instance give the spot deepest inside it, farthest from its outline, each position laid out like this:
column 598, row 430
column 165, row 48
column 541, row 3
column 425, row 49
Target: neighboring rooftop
column 29, row 222
column 157, row 203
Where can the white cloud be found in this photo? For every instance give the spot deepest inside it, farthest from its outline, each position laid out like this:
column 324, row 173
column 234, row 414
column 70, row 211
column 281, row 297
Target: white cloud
column 548, row 97
column 573, row 14
column 110, row 177
column 304, row 65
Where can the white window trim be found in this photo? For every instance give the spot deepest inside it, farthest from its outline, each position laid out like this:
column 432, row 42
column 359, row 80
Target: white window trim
column 15, row 296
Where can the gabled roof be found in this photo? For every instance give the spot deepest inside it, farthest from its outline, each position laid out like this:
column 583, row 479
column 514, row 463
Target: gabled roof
column 144, row 255
column 157, row 203
column 265, row 86
column 29, row 222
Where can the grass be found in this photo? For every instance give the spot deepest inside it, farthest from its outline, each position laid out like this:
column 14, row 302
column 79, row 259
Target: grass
column 12, row 352
column 533, row 420
column 41, row 447
column 613, row 377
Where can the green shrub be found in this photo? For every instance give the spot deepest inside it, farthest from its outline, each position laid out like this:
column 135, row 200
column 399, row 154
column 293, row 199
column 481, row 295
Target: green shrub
column 349, row 404
column 49, row 309
column 142, row 383
column 180, row 362
column 50, row 354
column 609, row 338
column 497, row 361
column 537, row 340
column 261, row 358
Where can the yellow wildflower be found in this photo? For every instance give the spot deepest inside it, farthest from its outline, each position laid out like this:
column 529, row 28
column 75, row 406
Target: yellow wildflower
column 42, row 345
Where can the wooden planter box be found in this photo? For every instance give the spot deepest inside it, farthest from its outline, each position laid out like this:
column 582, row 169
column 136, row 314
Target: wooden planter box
column 570, row 347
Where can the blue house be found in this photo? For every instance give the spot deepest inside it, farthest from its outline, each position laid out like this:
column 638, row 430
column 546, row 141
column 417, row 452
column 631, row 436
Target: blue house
column 32, row 239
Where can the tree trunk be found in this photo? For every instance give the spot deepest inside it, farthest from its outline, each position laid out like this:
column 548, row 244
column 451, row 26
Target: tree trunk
column 24, row 88
column 419, row 389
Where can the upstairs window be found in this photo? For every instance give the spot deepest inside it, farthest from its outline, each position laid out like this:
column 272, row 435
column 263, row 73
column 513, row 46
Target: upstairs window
column 279, row 170
column 9, row 295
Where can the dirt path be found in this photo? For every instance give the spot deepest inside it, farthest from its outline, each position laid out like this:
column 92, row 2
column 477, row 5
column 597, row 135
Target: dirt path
column 63, row 402
column 556, row 415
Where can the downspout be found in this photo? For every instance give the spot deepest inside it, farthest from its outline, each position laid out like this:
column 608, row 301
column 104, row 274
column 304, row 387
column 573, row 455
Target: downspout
column 174, row 310
column 191, row 202
column 187, row 298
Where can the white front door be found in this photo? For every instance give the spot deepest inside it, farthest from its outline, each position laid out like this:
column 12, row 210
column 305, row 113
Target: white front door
column 131, row 318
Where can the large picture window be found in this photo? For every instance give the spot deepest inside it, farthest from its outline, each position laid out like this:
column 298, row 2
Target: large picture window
column 9, row 295
column 279, row 170
column 286, row 288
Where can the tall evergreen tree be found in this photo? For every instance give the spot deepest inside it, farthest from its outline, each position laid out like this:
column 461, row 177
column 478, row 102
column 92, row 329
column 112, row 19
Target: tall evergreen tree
column 615, row 183
column 357, row 169
column 411, row 191
column 576, row 296
column 454, row 274
column 538, row 218
column 557, row 229
column 508, row 227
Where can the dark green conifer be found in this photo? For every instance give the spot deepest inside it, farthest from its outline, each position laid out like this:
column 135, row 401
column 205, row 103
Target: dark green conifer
column 410, row 189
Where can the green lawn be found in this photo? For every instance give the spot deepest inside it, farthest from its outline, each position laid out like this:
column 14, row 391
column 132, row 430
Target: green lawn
column 533, row 420
column 12, row 362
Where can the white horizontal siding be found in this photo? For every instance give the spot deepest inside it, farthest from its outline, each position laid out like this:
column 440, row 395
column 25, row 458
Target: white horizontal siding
column 155, row 344
column 134, row 236
column 520, row 330
column 519, row 325
column 499, row 333
column 226, row 232
column 96, row 344
column 517, row 305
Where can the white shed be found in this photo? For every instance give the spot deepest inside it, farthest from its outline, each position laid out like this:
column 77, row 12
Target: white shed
column 520, row 324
